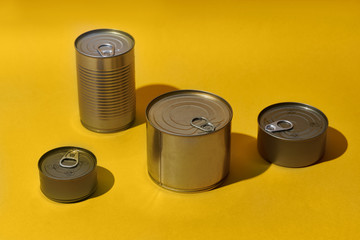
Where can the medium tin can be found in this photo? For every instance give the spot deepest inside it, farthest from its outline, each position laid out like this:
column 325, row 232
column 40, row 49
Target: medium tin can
column 68, row 174
column 106, row 85
column 188, row 140
column 292, row 134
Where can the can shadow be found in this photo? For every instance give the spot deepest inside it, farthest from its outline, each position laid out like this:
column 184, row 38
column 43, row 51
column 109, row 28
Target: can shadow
column 245, row 161
column 106, row 181
column 336, row 145
column 144, row 95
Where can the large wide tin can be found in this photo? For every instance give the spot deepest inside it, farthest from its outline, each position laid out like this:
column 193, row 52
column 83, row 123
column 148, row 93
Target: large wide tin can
column 106, row 85
column 68, row 174
column 188, row 140
column 292, row 134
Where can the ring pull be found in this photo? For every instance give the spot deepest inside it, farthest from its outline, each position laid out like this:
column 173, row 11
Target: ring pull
column 206, row 127
column 276, row 127
column 72, row 155
column 106, row 50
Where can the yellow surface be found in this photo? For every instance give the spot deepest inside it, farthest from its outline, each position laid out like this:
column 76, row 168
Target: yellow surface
column 252, row 53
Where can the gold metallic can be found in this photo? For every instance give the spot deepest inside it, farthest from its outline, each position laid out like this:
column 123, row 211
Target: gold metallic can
column 68, row 174
column 188, row 140
column 292, row 134
column 106, row 85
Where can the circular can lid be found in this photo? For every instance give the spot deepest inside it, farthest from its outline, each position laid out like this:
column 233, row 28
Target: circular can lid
column 104, row 43
column 189, row 113
column 66, row 163
column 293, row 121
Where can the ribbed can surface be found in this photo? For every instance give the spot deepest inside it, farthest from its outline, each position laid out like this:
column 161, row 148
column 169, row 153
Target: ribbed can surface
column 106, row 79
column 188, row 140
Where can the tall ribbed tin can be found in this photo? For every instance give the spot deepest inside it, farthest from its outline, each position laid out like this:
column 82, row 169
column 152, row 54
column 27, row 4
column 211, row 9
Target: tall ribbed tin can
column 188, row 140
column 292, row 134
column 106, row 85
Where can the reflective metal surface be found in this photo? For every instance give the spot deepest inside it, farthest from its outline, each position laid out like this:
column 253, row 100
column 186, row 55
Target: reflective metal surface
column 292, row 134
column 67, row 174
column 278, row 126
column 106, row 79
column 182, row 157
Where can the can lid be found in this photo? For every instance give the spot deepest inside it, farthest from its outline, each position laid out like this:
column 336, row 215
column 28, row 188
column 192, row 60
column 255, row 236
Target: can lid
column 292, row 121
column 104, row 43
column 189, row 113
column 66, row 163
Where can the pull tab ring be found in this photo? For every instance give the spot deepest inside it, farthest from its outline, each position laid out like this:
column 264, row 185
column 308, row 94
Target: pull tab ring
column 206, row 127
column 275, row 126
column 70, row 155
column 106, row 53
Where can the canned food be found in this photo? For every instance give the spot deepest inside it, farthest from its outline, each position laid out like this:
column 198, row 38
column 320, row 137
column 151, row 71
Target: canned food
column 106, row 85
column 68, row 174
column 292, row 134
column 188, row 140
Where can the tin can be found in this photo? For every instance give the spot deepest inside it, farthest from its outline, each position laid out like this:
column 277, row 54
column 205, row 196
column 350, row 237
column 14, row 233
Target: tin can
column 188, row 140
column 292, row 134
column 106, row 85
column 68, row 174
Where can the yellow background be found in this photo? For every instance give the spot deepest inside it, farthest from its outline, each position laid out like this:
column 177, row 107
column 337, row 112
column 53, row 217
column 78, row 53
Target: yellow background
column 252, row 53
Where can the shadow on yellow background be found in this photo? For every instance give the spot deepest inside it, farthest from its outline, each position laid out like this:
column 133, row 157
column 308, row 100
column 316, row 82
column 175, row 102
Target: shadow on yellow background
column 336, row 145
column 106, row 181
column 245, row 161
column 144, row 95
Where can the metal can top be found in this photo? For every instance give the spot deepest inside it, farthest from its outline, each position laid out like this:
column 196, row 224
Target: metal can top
column 293, row 121
column 104, row 43
column 189, row 113
column 67, row 163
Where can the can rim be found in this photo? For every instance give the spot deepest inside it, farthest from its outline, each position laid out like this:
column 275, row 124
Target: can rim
column 190, row 191
column 103, row 29
column 64, row 147
column 73, row 200
column 152, row 102
column 298, row 104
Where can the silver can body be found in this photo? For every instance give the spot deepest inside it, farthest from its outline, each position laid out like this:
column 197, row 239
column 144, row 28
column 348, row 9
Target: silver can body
column 292, row 134
column 183, row 158
column 68, row 174
column 106, row 80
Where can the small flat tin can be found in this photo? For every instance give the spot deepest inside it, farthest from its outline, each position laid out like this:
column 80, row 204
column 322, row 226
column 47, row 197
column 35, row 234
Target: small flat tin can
column 292, row 134
column 68, row 174
column 188, row 140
